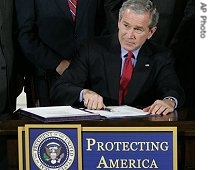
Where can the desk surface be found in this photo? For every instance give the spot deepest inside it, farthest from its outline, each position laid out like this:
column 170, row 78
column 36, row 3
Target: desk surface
column 182, row 119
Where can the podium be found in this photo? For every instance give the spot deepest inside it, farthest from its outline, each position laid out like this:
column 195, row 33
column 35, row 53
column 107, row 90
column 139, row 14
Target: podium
column 182, row 119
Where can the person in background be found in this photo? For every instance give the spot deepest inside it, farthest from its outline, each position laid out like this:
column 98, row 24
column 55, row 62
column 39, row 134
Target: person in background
column 11, row 82
column 123, row 69
column 183, row 50
column 49, row 32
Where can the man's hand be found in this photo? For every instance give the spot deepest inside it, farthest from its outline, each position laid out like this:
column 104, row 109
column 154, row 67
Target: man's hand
column 92, row 100
column 62, row 66
column 163, row 107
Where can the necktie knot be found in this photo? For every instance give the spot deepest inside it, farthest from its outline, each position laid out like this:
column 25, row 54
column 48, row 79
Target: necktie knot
column 130, row 55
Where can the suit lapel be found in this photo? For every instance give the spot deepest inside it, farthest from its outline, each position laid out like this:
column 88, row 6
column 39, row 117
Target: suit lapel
column 81, row 10
column 1, row 12
column 63, row 5
column 112, row 68
column 140, row 75
column 1, row 18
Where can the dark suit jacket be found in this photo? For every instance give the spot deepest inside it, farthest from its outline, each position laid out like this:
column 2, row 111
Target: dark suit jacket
column 8, row 73
column 98, row 68
column 47, row 33
column 170, row 16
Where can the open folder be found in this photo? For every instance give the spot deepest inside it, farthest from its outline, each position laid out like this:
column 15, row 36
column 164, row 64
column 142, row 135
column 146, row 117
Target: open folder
column 68, row 113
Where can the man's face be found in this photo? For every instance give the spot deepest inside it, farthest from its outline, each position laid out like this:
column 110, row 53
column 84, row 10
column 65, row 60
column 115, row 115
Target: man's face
column 134, row 30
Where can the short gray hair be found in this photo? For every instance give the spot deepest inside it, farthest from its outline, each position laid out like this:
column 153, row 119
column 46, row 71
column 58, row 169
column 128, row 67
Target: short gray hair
column 141, row 7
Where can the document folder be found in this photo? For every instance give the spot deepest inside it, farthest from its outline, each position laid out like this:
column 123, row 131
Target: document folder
column 68, row 113
column 58, row 114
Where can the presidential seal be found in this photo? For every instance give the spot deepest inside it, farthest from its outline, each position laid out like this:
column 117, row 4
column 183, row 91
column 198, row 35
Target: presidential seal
column 53, row 150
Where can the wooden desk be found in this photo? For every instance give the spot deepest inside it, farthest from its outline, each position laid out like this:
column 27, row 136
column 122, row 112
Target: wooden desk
column 182, row 119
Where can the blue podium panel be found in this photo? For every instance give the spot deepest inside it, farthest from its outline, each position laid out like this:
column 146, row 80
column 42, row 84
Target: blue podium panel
column 118, row 148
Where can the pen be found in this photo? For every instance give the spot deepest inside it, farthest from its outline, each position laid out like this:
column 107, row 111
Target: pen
column 107, row 109
column 85, row 110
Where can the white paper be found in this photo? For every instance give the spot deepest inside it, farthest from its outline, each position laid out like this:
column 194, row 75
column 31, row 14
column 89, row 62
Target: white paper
column 56, row 111
column 120, row 111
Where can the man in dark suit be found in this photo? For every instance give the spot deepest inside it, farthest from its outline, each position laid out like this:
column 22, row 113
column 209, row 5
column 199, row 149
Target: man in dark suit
column 48, row 35
column 9, row 88
column 94, row 76
column 183, row 50
column 7, row 65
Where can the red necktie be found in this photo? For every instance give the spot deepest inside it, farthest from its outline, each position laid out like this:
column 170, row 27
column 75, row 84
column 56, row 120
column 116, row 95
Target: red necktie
column 126, row 77
column 73, row 8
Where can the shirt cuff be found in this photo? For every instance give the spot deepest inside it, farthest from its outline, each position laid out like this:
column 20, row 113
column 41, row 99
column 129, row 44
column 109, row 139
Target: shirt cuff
column 174, row 99
column 81, row 96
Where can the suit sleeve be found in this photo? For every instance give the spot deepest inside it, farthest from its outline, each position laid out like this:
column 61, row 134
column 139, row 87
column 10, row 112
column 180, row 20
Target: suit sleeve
column 167, row 81
column 66, row 90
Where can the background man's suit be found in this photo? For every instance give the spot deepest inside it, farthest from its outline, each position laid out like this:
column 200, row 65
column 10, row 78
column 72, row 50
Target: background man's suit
column 6, row 57
column 10, row 85
column 47, row 33
column 100, row 64
column 9, row 88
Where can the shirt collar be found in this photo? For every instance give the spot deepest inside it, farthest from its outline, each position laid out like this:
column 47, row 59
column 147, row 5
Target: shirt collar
column 124, row 52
